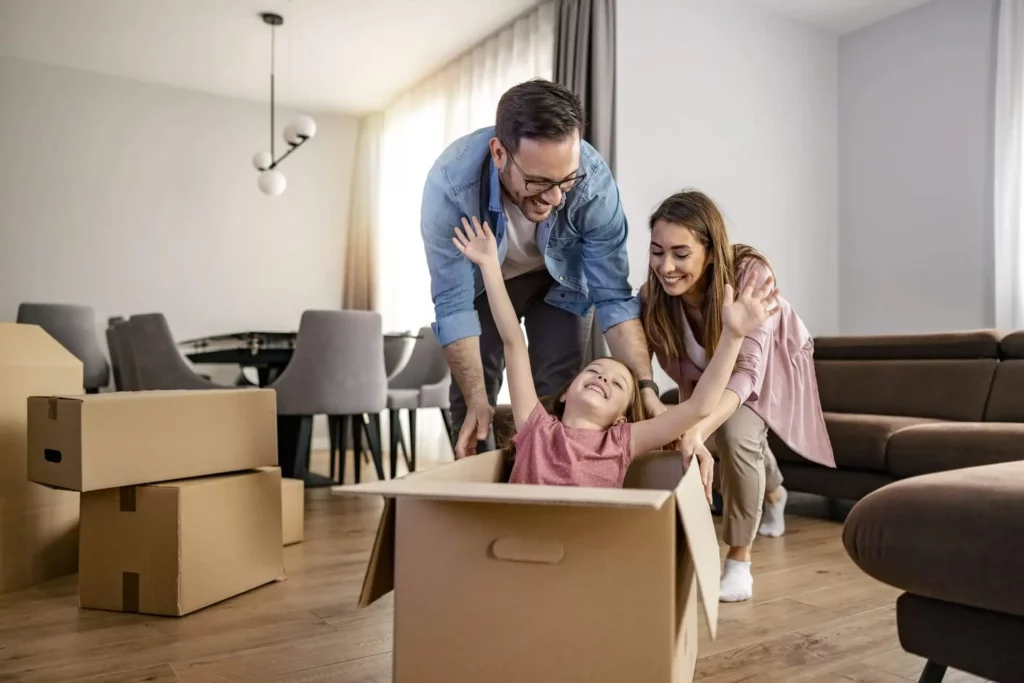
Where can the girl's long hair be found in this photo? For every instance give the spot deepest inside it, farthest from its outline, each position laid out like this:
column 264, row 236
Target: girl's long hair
column 694, row 210
column 555, row 406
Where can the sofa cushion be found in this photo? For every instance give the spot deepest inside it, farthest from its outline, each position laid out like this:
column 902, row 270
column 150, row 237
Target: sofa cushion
column 858, row 441
column 1012, row 345
column 940, row 389
column 1006, row 400
column 949, row 536
column 943, row 345
column 927, row 448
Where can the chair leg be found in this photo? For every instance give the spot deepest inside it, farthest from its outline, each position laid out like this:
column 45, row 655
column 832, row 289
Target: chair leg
column 932, row 673
column 332, row 433
column 343, row 426
column 446, row 415
column 395, row 428
column 375, row 448
column 294, row 436
column 357, row 446
column 412, row 440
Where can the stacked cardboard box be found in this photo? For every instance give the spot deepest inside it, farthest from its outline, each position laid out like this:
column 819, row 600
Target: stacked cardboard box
column 293, row 513
column 38, row 526
column 180, row 493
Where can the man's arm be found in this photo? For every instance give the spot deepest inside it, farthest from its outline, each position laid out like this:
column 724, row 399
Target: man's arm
column 606, row 265
column 457, row 325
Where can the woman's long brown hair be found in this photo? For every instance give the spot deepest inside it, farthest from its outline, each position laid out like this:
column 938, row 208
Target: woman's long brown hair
column 694, row 210
column 555, row 406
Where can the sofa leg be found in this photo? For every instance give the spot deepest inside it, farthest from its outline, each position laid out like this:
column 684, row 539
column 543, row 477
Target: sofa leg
column 835, row 514
column 933, row 673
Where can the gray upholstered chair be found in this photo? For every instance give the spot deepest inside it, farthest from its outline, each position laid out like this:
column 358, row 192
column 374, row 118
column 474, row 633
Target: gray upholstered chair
column 424, row 382
column 115, row 352
column 397, row 350
column 157, row 364
column 75, row 328
column 337, row 370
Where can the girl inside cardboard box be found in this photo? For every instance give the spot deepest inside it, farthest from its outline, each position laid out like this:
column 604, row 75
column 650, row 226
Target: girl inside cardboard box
column 596, row 425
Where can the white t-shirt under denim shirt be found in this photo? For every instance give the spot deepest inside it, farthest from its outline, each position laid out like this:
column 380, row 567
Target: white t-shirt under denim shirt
column 523, row 255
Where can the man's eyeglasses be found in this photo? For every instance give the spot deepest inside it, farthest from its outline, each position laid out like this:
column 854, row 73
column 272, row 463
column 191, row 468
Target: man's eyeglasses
column 534, row 186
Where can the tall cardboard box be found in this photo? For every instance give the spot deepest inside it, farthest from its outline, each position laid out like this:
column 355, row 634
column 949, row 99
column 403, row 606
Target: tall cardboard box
column 507, row 583
column 101, row 441
column 176, row 547
column 38, row 526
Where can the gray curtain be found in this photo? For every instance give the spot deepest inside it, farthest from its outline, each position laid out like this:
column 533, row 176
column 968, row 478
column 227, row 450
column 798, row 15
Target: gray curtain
column 585, row 63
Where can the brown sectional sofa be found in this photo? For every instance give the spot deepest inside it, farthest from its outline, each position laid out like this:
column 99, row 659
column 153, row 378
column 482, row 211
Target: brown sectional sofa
column 905, row 405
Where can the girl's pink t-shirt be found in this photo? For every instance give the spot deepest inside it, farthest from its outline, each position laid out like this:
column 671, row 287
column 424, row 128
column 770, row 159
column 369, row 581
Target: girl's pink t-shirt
column 548, row 452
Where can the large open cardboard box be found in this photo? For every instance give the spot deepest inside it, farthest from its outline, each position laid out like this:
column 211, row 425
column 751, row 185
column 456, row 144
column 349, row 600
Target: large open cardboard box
column 101, row 441
column 508, row 583
column 38, row 526
column 176, row 547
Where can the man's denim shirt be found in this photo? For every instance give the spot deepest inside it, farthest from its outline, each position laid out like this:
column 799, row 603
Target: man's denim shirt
column 583, row 241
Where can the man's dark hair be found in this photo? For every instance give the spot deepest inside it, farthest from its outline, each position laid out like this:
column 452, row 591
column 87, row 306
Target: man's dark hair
column 537, row 110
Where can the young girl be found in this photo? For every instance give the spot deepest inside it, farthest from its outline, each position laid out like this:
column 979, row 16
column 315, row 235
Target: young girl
column 592, row 444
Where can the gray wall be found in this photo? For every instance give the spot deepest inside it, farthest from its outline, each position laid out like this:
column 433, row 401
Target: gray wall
column 740, row 102
column 916, row 100
column 133, row 197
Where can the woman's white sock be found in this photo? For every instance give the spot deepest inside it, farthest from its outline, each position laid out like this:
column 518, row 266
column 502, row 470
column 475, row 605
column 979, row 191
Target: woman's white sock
column 737, row 582
column 773, row 516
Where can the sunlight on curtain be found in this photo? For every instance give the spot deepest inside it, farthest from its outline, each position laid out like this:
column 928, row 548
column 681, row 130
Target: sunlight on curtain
column 417, row 127
column 1009, row 171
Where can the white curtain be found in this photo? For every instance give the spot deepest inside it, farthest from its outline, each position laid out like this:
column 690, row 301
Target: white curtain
column 417, row 127
column 1009, row 171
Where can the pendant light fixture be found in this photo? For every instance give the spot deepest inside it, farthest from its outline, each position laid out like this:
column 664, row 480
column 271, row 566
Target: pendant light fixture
column 271, row 181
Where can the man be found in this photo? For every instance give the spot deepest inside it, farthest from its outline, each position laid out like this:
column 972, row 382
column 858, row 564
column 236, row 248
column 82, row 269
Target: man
column 554, row 208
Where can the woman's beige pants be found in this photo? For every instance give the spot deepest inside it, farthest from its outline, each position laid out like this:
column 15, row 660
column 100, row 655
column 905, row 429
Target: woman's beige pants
column 748, row 470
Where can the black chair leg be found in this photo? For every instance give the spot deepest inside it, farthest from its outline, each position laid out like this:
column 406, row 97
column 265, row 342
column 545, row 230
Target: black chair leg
column 412, row 440
column 373, row 437
column 343, row 425
column 933, row 673
column 357, row 446
column 332, row 433
column 395, row 429
column 294, row 440
column 446, row 415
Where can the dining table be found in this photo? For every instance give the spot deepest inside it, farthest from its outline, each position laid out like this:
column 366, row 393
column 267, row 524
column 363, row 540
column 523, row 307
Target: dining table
column 269, row 352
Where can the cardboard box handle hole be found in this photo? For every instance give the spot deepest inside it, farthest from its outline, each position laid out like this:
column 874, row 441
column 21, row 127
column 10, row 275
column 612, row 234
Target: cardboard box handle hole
column 527, row 550
column 52, row 455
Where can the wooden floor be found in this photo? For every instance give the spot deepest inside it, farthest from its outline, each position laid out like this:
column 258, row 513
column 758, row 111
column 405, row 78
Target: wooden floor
column 815, row 618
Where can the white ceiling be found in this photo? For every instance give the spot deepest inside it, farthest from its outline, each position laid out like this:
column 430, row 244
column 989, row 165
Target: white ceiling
column 839, row 16
column 343, row 55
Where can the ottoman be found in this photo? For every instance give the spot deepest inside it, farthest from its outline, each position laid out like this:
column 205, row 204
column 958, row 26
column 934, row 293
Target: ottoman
column 954, row 542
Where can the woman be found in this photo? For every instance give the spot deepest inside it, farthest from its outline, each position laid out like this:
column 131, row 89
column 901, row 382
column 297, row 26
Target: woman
column 772, row 387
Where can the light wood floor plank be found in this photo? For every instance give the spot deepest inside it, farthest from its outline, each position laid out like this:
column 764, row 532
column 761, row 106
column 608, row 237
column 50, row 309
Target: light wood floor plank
column 815, row 618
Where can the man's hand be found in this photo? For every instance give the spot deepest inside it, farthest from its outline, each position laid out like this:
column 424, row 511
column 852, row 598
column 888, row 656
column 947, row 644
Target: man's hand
column 652, row 404
column 692, row 444
column 479, row 416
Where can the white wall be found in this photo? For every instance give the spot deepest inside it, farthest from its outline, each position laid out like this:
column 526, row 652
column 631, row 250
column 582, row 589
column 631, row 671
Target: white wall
column 725, row 97
column 916, row 100
column 133, row 197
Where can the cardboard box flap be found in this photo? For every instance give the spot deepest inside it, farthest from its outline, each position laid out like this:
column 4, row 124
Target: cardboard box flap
column 135, row 396
column 24, row 345
column 489, row 492
column 380, row 571
column 701, row 542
